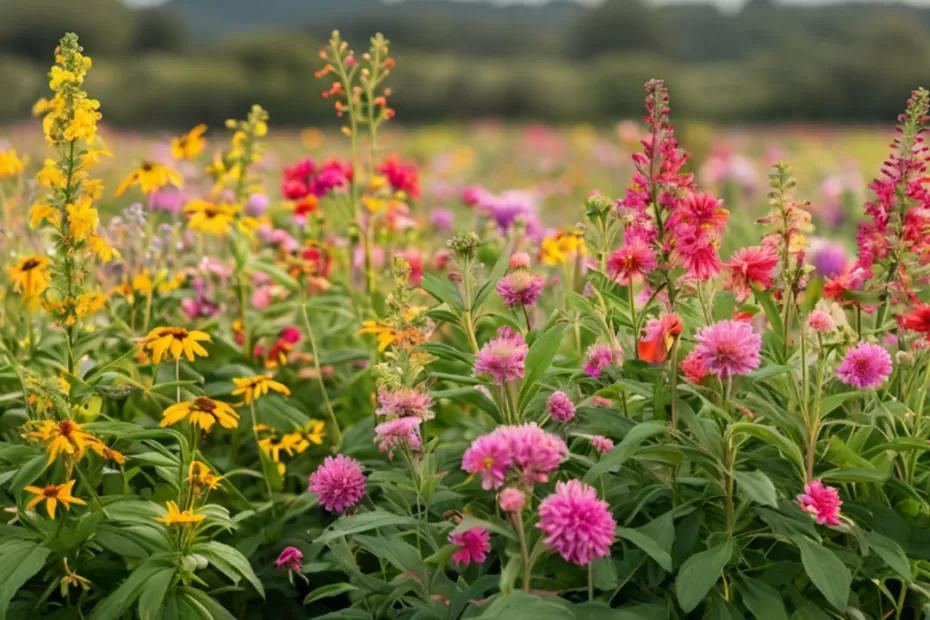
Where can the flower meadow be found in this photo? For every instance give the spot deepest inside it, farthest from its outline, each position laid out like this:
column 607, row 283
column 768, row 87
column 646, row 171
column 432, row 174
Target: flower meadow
column 238, row 387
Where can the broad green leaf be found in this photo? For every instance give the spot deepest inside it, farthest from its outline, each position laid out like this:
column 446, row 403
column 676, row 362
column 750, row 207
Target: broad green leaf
column 757, row 486
column 699, row 573
column 328, row 591
column 443, row 290
column 625, row 449
column 229, row 561
column 831, row 402
column 891, row 552
column 762, row 600
column 826, row 571
column 122, row 598
column 19, row 567
column 153, row 594
column 363, row 522
column 651, row 546
column 772, row 437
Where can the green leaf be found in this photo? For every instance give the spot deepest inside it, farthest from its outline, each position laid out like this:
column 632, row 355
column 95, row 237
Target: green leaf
column 826, row 571
column 891, row 552
column 854, row 475
column 538, row 360
column 829, row 403
column 328, row 591
column 521, row 604
column 772, row 437
column 122, row 598
column 230, row 562
column 757, row 486
column 699, row 573
column 20, row 563
column 648, row 544
column 153, row 594
column 620, row 453
column 362, row 523
column 443, row 290
column 762, row 600
column 500, row 267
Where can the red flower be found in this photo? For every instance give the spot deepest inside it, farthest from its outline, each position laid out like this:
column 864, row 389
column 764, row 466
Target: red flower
column 402, row 176
column 917, row 320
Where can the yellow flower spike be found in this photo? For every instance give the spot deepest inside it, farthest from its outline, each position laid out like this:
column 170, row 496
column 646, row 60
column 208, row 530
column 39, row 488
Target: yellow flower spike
column 51, row 175
column 53, row 495
column 150, row 176
column 82, row 219
column 202, row 412
column 44, row 213
column 176, row 516
column 190, row 145
column 30, row 276
column 253, row 388
column 175, row 342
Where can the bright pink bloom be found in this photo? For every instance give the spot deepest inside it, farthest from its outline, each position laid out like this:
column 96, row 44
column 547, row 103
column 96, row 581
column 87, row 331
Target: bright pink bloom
column 750, row 266
column 602, row 444
column 511, row 499
column 520, row 288
column 822, row 501
column 729, row 348
column 489, row 455
column 576, row 523
column 338, row 483
column 693, row 368
column 560, row 406
column 696, row 251
column 399, row 432
column 401, row 175
column 405, row 402
column 527, row 451
column 820, row 321
column 866, row 365
column 290, row 559
column 503, row 358
column 600, row 357
column 473, row 546
column 631, row 262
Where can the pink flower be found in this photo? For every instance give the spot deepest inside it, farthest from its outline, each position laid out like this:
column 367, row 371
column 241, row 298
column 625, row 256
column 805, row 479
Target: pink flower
column 600, row 401
column 576, row 523
column 488, row 455
column 338, row 483
column 602, row 444
column 520, row 288
column 405, row 402
column 729, row 348
column 696, row 251
column 693, row 368
column 290, row 559
column 750, row 266
column 473, row 546
column 399, row 432
column 866, row 365
column 503, row 357
column 527, row 451
column 560, row 406
column 631, row 261
column 401, row 175
column 599, row 357
column 822, row 501
column 520, row 260
column 511, row 499
column 820, row 321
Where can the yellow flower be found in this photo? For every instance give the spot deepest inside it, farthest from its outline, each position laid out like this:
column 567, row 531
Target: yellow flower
column 30, row 276
column 82, row 219
column 63, row 436
column 561, row 247
column 10, row 163
column 253, row 388
column 100, row 248
column 211, row 218
column 51, row 175
column 190, row 145
column 143, row 282
column 201, row 476
column 42, row 212
column 385, row 333
column 203, row 412
column 176, row 342
column 150, row 176
column 89, row 303
column 52, row 495
column 176, row 516
column 108, row 453
column 92, row 157
column 72, row 579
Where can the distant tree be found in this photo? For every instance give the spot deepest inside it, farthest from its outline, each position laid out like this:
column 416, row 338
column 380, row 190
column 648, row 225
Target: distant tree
column 618, row 25
column 158, row 30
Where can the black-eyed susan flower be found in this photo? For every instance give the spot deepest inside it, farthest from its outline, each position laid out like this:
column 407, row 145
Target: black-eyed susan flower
column 253, row 388
column 202, row 477
column 176, row 516
column 190, row 145
column 210, row 217
column 150, row 176
column 52, row 495
column 203, row 412
column 62, row 437
column 30, row 276
column 175, row 342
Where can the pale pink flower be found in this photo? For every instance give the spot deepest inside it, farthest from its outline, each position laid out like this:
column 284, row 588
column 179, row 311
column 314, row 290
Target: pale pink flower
column 503, row 358
column 600, row 357
column 511, row 499
column 602, row 444
column 866, row 365
column 527, row 451
column 576, row 523
column 822, row 501
column 520, row 288
column 405, row 402
column 338, row 483
column 820, row 321
column 473, row 546
column 397, row 433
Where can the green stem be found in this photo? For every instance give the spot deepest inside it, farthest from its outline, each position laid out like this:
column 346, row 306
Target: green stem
column 337, row 432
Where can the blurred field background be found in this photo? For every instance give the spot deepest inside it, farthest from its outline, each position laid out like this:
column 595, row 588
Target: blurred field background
column 527, row 96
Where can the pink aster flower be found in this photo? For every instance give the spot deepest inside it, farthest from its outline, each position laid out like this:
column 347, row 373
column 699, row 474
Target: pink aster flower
column 631, row 261
column 511, row 499
column 290, row 559
column 729, row 348
column 503, row 358
column 489, row 456
column 866, row 365
column 822, row 501
column 560, row 406
column 405, row 402
column 473, row 546
column 602, row 444
column 576, row 523
column 338, row 483
column 820, row 321
column 527, row 451
column 750, row 266
column 599, row 357
column 520, row 288
column 394, row 434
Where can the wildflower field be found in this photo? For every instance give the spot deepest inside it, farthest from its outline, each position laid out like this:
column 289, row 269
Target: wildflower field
column 461, row 372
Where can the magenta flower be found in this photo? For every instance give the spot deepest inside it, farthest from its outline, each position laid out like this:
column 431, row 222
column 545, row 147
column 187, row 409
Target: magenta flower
column 728, row 348
column 527, row 451
column 405, row 402
column 473, row 546
column 503, row 358
column 511, row 499
column 600, row 357
column 866, row 365
column 488, row 455
column 338, row 483
column 520, row 288
column 290, row 559
column 602, row 444
column 399, row 432
column 576, row 523
column 822, row 501
column 560, row 406
column 631, row 261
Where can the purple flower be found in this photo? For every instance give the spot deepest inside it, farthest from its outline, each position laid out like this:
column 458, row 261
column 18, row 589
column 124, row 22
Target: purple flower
column 290, row 559
column 866, row 365
column 442, row 219
column 473, row 546
column 338, row 483
column 560, row 406
column 503, row 358
column 828, row 259
column 600, row 357
column 256, row 205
